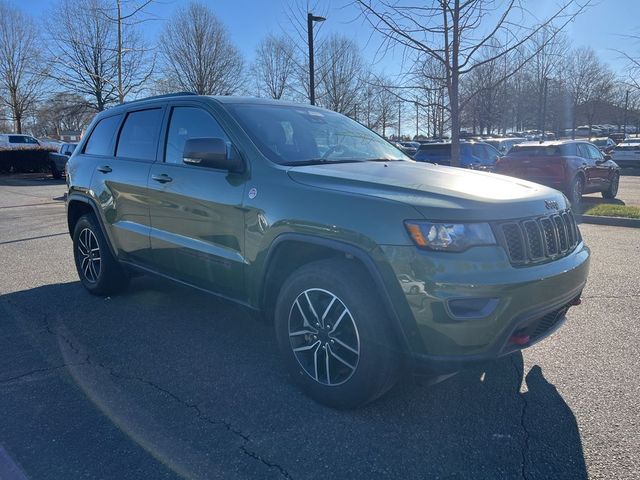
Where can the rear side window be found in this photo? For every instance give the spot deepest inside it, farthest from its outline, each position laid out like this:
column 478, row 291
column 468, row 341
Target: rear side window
column 21, row 139
column 535, row 151
column 189, row 122
column 101, row 138
column 139, row 135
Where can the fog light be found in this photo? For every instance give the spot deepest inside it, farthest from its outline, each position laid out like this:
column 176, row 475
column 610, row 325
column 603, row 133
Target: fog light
column 519, row 339
column 472, row 307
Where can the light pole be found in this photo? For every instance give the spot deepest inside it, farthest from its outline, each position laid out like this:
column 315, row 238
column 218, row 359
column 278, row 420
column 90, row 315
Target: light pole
column 626, row 108
column 312, row 87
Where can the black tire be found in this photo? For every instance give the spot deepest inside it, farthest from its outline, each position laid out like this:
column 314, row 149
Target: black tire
column 576, row 191
column 57, row 174
column 375, row 367
column 99, row 271
column 612, row 191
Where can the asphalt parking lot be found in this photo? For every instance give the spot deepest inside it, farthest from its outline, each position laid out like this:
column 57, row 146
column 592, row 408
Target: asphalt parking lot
column 164, row 382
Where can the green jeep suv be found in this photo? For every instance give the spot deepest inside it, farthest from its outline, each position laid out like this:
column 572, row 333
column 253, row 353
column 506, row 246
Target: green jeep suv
column 368, row 262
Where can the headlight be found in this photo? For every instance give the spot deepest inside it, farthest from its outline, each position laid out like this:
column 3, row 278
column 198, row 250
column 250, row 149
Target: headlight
column 450, row 237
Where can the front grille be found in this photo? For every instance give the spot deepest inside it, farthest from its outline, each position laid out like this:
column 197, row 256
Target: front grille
column 537, row 240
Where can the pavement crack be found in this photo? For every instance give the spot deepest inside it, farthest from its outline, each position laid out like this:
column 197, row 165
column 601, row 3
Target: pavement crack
column 193, row 406
column 523, row 413
column 87, row 360
column 200, row 414
column 39, row 370
column 255, row 456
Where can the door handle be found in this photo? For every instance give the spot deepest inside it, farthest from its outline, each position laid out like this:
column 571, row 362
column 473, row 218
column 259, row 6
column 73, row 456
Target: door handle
column 104, row 169
column 163, row 178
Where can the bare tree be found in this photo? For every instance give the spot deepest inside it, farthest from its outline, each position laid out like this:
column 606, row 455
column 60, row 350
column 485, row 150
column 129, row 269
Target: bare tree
column 449, row 32
column 84, row 46
column 587, row 80
column 129, row 42
column 20, row 63
column 339, row 70
column 274, row 68
column 198, row 54
column 62, row 111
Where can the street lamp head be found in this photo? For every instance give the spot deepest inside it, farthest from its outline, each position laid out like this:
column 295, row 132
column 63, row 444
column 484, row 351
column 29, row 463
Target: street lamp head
column 317, row 18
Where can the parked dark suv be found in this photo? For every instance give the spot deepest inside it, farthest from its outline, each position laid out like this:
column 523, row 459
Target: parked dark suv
column 367, row 261
column 573, row 167
column 474, row 155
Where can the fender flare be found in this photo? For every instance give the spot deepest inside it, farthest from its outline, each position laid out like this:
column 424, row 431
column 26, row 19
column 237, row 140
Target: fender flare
column 78, row 197
column 399, row 312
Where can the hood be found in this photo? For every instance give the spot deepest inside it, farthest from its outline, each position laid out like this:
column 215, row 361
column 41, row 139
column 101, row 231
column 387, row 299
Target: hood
column 435, row 191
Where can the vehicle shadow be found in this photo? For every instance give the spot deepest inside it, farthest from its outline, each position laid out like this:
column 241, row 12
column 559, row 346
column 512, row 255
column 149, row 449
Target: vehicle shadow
column 199, row 385
column 591, row 201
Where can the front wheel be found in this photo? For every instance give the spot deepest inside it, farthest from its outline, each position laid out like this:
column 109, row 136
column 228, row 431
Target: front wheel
column 334, row 334
column 612, row 191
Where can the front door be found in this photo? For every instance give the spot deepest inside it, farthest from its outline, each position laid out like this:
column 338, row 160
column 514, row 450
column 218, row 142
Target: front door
column 197, row 220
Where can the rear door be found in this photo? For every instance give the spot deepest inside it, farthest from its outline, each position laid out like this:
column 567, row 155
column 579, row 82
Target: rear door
column 197, row 219
column 120, row 182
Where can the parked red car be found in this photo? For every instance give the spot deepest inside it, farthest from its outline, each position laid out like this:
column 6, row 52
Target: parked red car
column 573, row 167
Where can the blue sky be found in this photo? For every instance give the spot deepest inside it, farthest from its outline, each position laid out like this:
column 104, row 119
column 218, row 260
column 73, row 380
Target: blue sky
column 248, row 21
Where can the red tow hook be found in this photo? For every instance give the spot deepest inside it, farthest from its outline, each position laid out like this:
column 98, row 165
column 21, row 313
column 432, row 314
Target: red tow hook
column 519, row 339
column 576, row 301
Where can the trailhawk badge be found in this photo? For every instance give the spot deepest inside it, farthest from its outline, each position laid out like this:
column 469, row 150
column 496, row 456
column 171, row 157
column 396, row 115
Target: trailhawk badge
column 550, row 204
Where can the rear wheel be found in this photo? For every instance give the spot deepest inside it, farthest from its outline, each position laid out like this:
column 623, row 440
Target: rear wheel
column 334, row 335
column 612, row 191
column 98, row 270
column 55, row 173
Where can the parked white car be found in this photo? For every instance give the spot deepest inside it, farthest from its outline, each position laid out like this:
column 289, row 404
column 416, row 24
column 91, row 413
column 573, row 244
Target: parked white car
column 17, row 140
column 627, row 154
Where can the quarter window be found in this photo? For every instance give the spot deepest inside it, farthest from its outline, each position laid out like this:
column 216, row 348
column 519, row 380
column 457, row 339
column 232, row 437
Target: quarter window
column 101, row 138
column 189, row 122
column 139, row 135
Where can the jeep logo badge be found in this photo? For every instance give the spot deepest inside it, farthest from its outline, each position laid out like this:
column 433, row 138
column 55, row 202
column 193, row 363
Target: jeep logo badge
column 551, row 204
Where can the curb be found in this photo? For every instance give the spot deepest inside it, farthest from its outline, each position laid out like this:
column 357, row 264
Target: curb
column 611, row 221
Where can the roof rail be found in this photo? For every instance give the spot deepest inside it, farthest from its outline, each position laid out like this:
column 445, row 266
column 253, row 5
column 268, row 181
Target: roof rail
column 166, row 95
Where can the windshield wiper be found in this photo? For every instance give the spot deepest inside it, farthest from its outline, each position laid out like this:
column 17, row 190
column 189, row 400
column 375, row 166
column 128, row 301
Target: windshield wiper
column 316, row 161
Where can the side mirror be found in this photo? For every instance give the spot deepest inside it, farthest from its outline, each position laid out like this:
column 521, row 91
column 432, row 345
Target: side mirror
column 212, row 153
column 607, row 157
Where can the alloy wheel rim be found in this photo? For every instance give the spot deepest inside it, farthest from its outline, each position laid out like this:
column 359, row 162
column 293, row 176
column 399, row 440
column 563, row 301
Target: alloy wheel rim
column 324, row 337
column 89, row 255
column 577, row 190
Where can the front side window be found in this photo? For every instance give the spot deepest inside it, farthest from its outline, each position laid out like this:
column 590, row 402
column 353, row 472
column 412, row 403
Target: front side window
column 101, row 140
column 291, row 135
column 185, row 123
column 139, row 135
column 594, row 152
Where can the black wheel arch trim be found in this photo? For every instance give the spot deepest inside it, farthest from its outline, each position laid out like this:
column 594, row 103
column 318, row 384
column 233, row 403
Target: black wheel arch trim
column 395, row 303
column 78, row 197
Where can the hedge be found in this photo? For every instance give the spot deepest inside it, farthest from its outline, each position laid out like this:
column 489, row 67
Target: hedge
column 24, row 160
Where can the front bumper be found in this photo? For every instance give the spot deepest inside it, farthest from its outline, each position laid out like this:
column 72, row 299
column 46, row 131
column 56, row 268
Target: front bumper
column 525, row 301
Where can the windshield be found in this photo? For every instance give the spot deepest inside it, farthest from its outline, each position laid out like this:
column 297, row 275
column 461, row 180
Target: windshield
column 291, row 135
